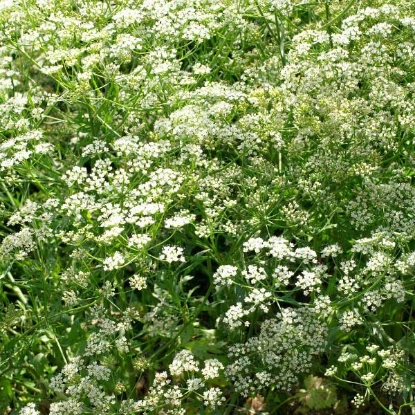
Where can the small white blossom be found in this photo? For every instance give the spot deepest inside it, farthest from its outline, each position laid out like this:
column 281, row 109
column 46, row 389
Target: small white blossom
column 279, row 247
column 358, row 400
column 233, row 317
column 331, row 250
column 368, row 377
column 331, row 371
column 199, row 69
column 178, row 221
column 309, row 282
column 184, row 361
column 138, row 282
column 350, row 319
column 260, row 298
column 212, row 369
column 139, row 241
column 115, row 261
column 98, row 371
column 122, row 344
column 254, row 274
column 224, row 274
column 70, row 298
column 195, row 384
column 172, row 254
column 254, row 244
column 307, row 255
column 29, row 409
column 282, row 275
column 213, row 397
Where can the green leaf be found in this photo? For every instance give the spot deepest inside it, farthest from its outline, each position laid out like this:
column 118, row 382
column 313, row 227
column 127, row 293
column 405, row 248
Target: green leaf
column 319, row 393
column 6, row 391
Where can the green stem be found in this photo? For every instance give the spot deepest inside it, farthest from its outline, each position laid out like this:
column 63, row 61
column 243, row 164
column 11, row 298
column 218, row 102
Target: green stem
column 279, row 37
column 174, row 338
column 329, row 30
column 380, row 403
column 281, row 40
column 340, row 15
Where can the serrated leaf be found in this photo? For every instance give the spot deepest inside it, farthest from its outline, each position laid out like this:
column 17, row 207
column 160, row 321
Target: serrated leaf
column 319, row 393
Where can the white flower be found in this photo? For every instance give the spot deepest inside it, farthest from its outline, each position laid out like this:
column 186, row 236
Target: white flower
column 172, row 254
column 178, row 221
column 213, row 397
column 254, row 244
column 331, row 371
column 254, row 274
column 122, row 344
column 331, row 250
column 233, row 317
column 138, row 282
column 70, row 298
column 199, row 69
column 184, row 361
column 29, row 409
column 259, row 297
column 358, row 400
column 223, row 275
column 279, row 247
column 308, row 281
column 97, row 343
column 350, row 319
column 98, row 371
column 368, row 377
column 212, row 368
column 115, row 261
column 194, row 384
column 72, row 406
column 306, row 254
column 282, row 275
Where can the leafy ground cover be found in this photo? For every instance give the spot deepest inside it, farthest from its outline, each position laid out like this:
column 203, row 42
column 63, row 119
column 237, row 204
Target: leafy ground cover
column 207, row 207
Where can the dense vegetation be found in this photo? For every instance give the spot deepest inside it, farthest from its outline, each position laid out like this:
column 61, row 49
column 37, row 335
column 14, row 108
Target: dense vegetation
column 207, row 207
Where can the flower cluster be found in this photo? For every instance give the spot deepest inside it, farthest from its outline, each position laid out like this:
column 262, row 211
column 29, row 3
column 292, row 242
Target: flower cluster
column 202, row 200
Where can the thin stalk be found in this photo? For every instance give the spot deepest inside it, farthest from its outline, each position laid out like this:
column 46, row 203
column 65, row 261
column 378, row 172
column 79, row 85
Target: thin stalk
column 279, row 37
column 380, row 403
column 174, row 338
column 340, row 15
column 329, row 30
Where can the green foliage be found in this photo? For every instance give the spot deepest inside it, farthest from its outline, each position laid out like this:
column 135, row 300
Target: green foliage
column 318, row 393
